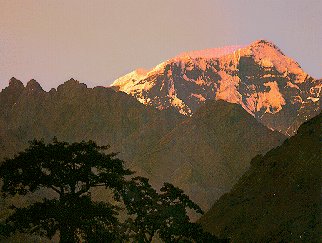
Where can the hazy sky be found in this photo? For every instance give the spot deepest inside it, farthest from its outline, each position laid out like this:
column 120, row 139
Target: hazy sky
column 97, row 41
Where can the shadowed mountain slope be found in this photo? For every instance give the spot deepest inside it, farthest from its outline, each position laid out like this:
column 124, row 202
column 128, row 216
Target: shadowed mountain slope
column 207, row 153
column 278, row 199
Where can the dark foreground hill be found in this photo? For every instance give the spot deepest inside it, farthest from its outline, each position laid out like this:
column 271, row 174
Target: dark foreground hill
column 278, row 199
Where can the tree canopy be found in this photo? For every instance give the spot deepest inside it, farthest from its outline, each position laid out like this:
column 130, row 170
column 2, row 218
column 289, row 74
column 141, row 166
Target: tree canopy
column 72, row 171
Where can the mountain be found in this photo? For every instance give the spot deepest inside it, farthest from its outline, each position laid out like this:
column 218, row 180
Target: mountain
column 73, row 112
column 279, row 198
column 207, row 152
column 259, row 77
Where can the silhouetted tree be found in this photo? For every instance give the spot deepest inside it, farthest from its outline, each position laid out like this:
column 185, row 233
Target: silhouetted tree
column 71, row 171
column 161, row 214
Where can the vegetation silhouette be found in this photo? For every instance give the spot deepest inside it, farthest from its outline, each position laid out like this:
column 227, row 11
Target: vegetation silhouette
column 71, row 171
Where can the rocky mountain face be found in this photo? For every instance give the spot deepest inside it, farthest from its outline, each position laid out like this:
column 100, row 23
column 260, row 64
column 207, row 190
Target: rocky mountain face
column 259, row 77
column 278, row 199
column 204, row 154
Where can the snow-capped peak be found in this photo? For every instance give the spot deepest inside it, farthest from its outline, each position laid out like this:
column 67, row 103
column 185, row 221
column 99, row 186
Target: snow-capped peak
column 259, row 77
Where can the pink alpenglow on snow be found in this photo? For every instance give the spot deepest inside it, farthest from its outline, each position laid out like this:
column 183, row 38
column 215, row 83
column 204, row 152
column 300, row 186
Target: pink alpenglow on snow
column 211, row 53
column 259, row 77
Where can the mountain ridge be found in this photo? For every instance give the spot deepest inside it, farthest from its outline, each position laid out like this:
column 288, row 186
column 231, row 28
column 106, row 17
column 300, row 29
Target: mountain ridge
column 29, row 112
column 157, row 144
column 206, row 153
column 259, row 77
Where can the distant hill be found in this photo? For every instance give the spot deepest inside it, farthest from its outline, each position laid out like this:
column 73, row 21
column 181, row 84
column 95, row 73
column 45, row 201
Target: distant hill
column 266, row 83
column 279, row 198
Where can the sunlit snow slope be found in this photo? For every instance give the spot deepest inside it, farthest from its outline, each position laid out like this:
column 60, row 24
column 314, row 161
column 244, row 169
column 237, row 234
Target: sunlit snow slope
column 266, row 83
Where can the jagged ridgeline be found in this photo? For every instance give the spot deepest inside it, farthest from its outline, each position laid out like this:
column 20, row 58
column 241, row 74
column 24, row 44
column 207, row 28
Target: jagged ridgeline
column 267, row 84
column 278, row 199
column 204, row 154
column 73, row 112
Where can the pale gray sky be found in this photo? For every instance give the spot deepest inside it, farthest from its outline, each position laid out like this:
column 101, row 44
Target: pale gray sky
column 97, row 41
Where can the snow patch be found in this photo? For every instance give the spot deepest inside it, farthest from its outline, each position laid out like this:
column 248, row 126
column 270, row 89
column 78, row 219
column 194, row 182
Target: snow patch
column 314, row 99
column 199, row 97
column 291, row 85
column 272, row 100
